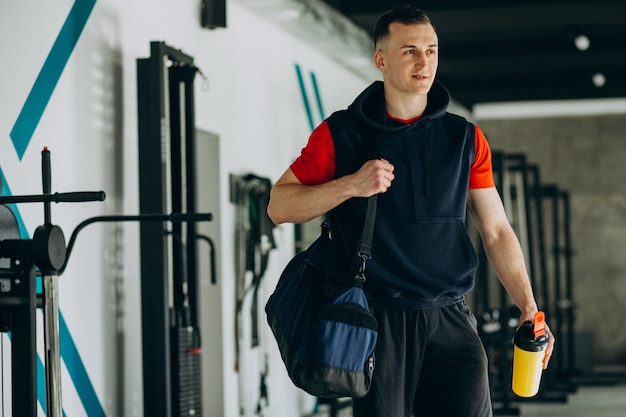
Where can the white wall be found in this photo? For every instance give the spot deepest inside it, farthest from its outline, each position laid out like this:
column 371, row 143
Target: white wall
column 253, row 104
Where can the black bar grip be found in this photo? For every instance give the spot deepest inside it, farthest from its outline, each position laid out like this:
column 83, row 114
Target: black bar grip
column 46, row 171
column 46, row 181
column 191, row 217
column 75, row 197
column 78, row 196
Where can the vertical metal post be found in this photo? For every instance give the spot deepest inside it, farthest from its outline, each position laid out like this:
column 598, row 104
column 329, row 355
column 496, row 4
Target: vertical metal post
column 50, row 293
column 52, row 346
column 153, row 139
column 543, row 293
column 552, row 192
column 569, row 285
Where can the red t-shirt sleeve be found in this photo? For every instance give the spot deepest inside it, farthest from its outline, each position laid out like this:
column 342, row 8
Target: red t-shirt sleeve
column 316, row 163
column 481, row 174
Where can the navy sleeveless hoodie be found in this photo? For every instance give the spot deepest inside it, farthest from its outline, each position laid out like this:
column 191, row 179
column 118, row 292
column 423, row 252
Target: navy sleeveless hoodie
column 422, row 256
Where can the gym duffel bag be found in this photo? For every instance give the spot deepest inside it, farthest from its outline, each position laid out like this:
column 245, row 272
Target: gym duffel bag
column 326, row 333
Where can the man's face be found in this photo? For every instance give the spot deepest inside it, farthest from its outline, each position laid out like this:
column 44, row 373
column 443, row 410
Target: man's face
column 408, row 58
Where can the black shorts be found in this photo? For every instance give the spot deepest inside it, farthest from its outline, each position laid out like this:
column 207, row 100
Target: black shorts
column 429, row 363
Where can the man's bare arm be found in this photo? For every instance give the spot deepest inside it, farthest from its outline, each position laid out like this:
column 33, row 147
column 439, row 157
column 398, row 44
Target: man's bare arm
column 293, row 202
column 504, row 252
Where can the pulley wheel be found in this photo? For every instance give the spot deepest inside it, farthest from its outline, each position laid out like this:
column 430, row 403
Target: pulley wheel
column 8, row 224
column 8, row 230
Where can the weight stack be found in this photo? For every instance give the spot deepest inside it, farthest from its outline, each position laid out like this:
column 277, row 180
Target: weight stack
column 189, row 398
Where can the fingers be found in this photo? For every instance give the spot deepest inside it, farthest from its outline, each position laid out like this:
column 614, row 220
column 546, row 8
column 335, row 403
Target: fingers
column 382, row 175
column 380, row 164
column 374, row 177
column 549, row 348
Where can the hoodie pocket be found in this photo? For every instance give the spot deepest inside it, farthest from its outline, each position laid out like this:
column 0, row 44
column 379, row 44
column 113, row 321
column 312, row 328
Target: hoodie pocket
column 433, row 255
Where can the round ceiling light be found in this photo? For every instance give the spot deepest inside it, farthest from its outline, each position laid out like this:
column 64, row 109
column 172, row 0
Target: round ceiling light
column 598, row 79
column 582, row 42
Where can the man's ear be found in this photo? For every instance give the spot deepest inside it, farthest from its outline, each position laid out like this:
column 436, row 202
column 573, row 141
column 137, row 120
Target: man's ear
column 379, row 60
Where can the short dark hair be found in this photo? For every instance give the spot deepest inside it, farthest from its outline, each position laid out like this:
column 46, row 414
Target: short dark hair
column 407, row 15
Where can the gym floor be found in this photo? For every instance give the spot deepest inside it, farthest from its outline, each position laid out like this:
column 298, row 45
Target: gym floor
column 593, row 400
column 588, row 401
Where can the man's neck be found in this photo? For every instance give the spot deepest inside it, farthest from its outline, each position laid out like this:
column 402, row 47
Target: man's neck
column 405, row 107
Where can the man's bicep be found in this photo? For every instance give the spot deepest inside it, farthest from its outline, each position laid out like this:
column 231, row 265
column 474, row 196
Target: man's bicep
column 288, row 177
column 485, row 206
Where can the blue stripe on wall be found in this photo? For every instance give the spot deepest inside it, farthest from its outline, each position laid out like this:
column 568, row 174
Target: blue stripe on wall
column 318, row 98
column 305, row 97
column 50, row 73
column 78, row 372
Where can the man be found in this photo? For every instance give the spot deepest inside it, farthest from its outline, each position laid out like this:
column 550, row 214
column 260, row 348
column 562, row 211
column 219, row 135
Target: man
column 397, row 140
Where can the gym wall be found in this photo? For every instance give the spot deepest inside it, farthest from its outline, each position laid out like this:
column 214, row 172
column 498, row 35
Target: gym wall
column 70, row 80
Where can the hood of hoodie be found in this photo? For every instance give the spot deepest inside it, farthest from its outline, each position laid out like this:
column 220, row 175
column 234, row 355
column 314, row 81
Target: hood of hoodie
column 369, row 106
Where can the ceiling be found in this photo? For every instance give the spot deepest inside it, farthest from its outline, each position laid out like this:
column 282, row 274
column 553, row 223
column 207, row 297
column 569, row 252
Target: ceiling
column 503, row 51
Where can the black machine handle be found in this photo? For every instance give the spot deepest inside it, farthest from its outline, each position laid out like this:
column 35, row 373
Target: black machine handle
column 46, row 182
column 46, row 171
column 73, row 197
column 211, row 256
column 189, row 217
column 173, row 217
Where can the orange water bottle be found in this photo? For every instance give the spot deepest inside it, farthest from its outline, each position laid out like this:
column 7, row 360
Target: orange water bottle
column 530, row 342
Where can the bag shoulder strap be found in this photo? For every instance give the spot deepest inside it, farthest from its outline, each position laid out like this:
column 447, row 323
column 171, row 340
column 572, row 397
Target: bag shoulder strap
column 368, row 227
column 365, row 250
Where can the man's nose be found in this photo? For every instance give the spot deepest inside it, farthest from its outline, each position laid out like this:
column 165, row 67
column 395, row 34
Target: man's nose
column 420, row 59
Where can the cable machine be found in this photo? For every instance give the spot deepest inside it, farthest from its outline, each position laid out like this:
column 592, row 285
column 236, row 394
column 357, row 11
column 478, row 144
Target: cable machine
column 47, row 253
column 169, row 282
column 560, row 288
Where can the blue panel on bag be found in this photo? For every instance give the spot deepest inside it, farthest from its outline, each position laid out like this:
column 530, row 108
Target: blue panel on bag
column 331, row 348
column 353, row 295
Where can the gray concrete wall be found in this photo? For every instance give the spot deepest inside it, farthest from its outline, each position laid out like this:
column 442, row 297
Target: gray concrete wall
column 587, row 157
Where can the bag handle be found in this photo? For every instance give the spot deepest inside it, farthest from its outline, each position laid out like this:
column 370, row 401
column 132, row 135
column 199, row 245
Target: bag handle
column 365, row 250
